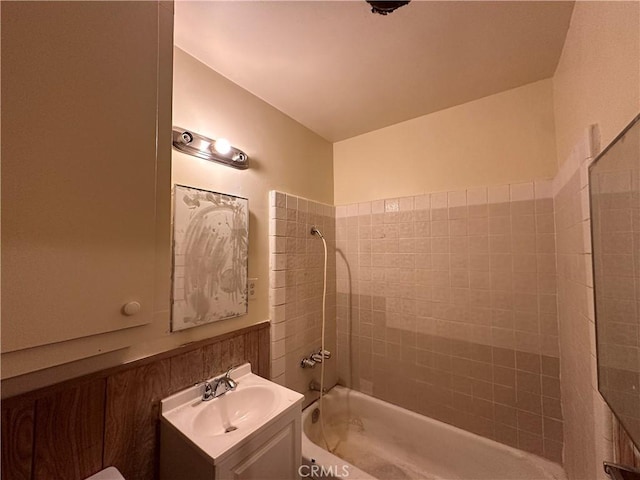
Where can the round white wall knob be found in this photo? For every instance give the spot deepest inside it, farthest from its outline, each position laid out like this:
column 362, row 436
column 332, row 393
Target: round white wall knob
column 131, row 308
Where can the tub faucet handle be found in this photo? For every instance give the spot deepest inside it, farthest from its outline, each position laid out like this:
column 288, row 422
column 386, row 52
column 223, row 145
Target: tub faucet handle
column 307, row 363
column 326, row 354
column 317, row 357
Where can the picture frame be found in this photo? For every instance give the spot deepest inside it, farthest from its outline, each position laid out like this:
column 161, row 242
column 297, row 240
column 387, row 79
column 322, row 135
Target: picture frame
column 210, row 257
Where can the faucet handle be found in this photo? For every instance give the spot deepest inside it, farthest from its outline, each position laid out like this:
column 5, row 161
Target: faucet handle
column 208, row 392
column 307, row 363
column 317, row 357
column 230, row 369
column 232, row 383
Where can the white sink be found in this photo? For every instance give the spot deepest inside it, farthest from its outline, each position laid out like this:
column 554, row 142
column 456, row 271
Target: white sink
column 218, row 426
column 237, row 410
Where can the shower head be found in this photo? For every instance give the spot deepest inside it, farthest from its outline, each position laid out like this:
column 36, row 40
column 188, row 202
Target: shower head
column 315, row 231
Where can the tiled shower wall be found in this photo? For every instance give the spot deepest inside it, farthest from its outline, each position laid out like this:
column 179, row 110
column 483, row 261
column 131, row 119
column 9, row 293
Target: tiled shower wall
column 446, row 305
column 296, row 285
column 575, row 289
column 588, row 421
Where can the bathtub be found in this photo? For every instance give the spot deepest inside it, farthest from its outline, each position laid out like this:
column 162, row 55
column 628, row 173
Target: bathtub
column 374, row 439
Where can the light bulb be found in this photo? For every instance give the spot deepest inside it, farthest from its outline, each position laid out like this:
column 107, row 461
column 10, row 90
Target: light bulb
column 222, row 146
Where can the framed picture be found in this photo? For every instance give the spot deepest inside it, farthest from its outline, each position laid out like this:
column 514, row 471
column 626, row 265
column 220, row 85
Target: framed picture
column 210, row 257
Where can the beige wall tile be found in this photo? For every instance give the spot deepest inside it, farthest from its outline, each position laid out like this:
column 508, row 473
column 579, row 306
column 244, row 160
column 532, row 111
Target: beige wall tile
column 461, row 291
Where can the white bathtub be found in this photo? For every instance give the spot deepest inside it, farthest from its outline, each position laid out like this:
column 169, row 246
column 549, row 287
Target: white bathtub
column 374, row 439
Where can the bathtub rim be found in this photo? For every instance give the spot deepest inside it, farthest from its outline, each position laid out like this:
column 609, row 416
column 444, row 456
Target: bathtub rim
column 552, row 469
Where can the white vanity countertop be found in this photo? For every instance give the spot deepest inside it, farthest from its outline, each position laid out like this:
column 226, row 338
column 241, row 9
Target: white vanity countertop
column 253, row 406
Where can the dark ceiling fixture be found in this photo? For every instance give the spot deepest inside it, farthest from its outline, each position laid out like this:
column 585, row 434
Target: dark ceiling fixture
column 385, row 7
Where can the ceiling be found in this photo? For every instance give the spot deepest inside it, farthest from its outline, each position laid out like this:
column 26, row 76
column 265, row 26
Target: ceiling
column 342, row 71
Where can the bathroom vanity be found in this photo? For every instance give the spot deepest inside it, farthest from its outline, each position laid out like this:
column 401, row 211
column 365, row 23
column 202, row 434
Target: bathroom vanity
column 250, row 432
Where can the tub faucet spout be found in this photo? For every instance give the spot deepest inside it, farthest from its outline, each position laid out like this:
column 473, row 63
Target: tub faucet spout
column 315, row 387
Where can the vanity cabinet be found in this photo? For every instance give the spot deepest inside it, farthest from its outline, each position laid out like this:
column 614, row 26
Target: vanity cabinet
column 86, row 145
column 273, row 454
column 252, row 432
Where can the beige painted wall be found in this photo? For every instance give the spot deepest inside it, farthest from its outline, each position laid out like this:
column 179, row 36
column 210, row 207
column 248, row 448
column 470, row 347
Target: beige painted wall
column 597, row 82
column 500, row 139
column 598, row 77
column 284, row 156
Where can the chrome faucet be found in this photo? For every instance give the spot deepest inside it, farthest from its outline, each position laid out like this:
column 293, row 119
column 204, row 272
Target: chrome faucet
column 314, row 358
column 219, row 386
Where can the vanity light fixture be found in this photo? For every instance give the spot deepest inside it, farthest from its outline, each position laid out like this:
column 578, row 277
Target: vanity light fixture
column 222, row 146
column 219, row 151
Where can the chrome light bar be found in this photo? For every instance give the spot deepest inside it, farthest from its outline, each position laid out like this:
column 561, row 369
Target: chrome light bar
column 219, row 151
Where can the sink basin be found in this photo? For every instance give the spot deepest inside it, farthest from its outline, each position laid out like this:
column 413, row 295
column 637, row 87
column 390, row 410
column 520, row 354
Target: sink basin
column 234, row 411
column 219, row 426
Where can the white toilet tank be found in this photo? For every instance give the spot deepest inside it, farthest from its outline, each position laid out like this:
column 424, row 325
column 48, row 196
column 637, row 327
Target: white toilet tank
column 110, row 473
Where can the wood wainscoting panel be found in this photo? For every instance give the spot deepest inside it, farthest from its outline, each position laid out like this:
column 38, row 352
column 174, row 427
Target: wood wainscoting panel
column 131, row 426
column 264, row 353
column 73, row 429
column 233, row 353
column 625, row 452
column 251, row 350
column 186, row 370
column 17, row 440
column 212, row 359
column 69, row 428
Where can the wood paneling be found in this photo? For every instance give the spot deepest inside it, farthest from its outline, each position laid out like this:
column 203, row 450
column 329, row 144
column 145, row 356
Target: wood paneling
column 251, row 350
column 69, row 427
column 232, row 353
column 17, row 441
column 221, row 356
column 74, row 429
column 212, row 359
column 624, row 449
column 186, row 369
column 264, row 353
column 133, row 409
